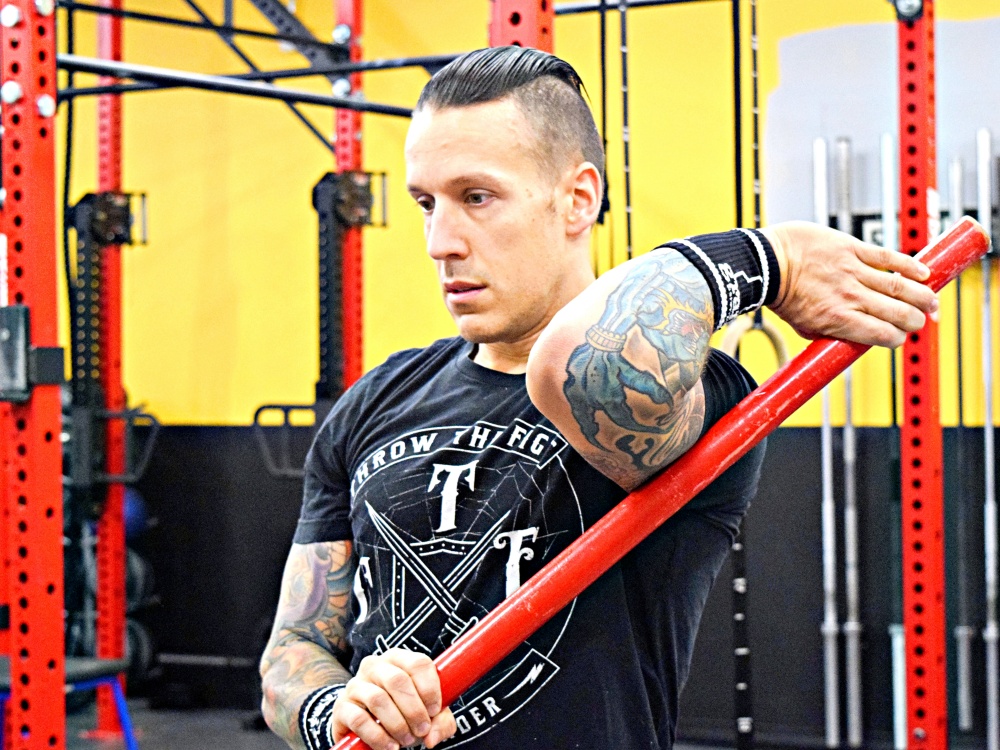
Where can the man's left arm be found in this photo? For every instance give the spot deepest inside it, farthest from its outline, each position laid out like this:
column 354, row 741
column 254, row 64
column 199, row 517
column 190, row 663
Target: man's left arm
column 617, row 371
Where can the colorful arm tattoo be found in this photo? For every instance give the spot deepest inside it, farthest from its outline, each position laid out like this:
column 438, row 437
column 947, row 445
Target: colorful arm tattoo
column 660, row 313
column 309, row 634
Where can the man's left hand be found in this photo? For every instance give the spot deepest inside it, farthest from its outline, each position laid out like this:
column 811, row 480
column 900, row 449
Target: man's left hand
column 835, row 285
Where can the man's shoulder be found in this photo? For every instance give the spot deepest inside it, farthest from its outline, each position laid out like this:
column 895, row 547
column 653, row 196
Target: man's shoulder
column 409, row 360
column 442, row 348
column 401, row 367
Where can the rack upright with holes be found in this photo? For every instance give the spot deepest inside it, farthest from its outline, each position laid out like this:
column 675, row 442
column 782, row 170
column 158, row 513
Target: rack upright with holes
column 921, row 449
column 349, row 158
column 111, row 526
column 32, row 480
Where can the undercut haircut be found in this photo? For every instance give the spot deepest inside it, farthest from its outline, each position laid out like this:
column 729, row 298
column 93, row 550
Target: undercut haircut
column 546, row 89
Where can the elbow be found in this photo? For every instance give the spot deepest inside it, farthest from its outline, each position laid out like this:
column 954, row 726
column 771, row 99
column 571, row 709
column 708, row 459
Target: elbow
column 546, row 369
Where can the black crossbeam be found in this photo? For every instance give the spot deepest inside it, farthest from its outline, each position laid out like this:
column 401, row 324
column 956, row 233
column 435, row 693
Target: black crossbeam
column 223, row 84
column 134, row 15
column 592, row 6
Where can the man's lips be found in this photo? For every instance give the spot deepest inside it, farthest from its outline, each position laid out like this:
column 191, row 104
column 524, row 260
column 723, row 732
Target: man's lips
column 460, row 291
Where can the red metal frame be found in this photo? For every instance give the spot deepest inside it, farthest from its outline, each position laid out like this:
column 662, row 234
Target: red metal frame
column 921, row 440
column 349, row 153
column 32, row 543
column 646, row 508
column 525, row 23
column 111, row 528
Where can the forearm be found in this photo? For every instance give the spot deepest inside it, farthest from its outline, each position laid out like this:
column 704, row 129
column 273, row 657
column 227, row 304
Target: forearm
column 618, row 369
column 309, row 633
column 292, row 669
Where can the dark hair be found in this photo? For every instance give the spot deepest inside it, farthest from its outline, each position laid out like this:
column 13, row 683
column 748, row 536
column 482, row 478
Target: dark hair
column 548, row 91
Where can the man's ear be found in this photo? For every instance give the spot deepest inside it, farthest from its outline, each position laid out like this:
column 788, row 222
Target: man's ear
column 585, row 190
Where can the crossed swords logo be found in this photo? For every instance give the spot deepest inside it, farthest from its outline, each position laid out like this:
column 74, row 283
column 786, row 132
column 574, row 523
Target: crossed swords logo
column 440, row 592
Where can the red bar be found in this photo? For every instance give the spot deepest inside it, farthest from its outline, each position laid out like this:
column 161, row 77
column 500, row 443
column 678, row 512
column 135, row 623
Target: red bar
column 524, row 23
column 32, row 472
column 646, row 508
column 348, row 147
column 921, row 451
column 111, row 528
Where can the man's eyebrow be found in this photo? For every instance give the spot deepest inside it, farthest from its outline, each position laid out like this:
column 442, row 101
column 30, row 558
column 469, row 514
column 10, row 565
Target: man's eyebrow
column 460, row 181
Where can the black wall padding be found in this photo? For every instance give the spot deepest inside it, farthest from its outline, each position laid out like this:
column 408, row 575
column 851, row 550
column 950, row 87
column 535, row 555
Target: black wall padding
column 785, row 579
column 225, row 527
column 218, row 550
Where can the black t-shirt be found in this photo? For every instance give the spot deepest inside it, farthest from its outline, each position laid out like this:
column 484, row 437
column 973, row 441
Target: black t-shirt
column 454, row 490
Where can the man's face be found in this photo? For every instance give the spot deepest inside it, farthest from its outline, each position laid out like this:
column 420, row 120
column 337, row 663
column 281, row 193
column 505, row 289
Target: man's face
column 495, row 224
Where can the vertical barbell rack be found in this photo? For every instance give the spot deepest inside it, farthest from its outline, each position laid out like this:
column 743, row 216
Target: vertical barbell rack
column 348, row 148
column 111, row 526
column 32, row 481
column 525, row 23
column 921, row 435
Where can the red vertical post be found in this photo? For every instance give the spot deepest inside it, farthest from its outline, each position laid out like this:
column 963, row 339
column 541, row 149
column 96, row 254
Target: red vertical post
column 111, row 527
column 349, row 154
column 921, row 449
column 32, row 474
column 525, row 23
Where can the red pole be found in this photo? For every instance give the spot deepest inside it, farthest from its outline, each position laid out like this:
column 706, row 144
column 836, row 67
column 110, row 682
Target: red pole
column 348, row 147
column 32, row 471
column 111, row 527
column 526, row 23
column 646, row 508
column 921, row 451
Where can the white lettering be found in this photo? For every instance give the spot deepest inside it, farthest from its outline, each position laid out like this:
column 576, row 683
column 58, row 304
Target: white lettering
column 517, row 553
column 516, row 434
column 539, row 443
column 479, row 437
column 397, row 449
column 423, row 443
column 378, row 459
column 477, row 716
column 361, row 474
column 463, row 724
column 491, row 706
column 449, row 493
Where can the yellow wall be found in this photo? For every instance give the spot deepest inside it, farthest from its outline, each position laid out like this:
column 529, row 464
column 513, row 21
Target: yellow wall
column 220, row 308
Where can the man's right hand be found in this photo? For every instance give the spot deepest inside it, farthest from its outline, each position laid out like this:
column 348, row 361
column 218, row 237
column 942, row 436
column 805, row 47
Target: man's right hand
column 394, row 701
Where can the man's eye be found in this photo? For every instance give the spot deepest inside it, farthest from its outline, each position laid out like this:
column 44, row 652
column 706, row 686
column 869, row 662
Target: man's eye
column 476, row 199
column 426, row 204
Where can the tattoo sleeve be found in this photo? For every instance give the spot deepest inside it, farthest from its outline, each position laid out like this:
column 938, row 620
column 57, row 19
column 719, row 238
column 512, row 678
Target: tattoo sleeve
column 309, row 633
column 633, row 385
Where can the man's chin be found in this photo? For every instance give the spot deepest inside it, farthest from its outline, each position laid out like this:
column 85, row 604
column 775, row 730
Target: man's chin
column 480, row 332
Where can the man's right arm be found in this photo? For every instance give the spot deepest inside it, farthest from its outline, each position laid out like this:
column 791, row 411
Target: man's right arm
column 309, row 632
column 395, row 698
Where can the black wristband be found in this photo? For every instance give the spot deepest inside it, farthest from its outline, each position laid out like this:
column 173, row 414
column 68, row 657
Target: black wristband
column 740, row 267
column 316, row 717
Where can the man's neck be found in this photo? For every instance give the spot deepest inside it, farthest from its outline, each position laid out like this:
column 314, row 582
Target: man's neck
column 509, row 358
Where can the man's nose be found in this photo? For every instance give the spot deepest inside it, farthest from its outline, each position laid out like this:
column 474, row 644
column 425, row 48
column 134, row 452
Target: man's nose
column 444, row 236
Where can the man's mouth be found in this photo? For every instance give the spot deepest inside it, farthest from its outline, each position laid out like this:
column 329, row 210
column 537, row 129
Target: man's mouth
column 460, row 291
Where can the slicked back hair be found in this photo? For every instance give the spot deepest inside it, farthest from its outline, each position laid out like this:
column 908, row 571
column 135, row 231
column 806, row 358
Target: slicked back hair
column 546, row 89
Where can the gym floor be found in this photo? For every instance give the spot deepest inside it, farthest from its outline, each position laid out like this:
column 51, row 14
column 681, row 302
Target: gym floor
column 192, row 730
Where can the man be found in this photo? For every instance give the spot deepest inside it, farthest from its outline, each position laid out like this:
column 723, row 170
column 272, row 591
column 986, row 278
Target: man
column 447, row 476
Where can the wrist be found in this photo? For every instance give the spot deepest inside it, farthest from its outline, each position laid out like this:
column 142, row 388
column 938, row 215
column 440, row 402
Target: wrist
column 740, row 268
column 316, row 717
column 773, row 236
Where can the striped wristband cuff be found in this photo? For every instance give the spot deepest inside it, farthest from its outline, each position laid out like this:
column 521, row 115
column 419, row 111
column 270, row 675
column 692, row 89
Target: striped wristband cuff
column 739, row 266
column 316, row 717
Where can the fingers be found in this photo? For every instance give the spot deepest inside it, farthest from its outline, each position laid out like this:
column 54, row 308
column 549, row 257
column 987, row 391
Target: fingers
column 892, row 260
column 394, row 701
column 912, row 294
column 424, row 675
column 442, row 727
